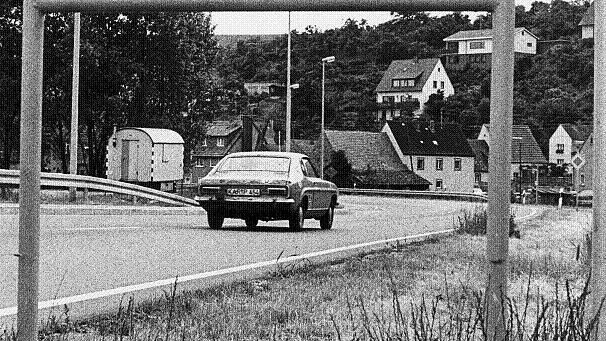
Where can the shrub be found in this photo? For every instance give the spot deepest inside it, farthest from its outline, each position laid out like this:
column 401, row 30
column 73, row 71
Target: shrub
column 474, row 221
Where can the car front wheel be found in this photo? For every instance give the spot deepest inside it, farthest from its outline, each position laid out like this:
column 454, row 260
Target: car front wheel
column 296, row 219
column 327, row 218
column 215, row 220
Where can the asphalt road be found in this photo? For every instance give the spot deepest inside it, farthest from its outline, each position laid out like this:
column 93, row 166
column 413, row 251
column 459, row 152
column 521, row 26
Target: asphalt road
column 88, row 253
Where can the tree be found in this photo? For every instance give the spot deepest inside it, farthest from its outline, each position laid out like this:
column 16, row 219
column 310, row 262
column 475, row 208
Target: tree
column 343, row 176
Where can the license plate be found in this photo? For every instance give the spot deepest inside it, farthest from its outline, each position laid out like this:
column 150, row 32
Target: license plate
column 243, row 191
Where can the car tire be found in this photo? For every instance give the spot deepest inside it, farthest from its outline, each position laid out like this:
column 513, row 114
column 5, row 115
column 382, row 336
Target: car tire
column 215, row 220
column 296, row 220
column 251, row 222
column 328, row 217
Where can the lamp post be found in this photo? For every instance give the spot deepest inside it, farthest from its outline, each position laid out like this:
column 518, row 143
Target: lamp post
column 288, row 91
column 324, row 61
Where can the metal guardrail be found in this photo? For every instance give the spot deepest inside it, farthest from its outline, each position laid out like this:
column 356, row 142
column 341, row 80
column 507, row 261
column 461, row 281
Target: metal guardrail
column 11, row 177
column 461, row 196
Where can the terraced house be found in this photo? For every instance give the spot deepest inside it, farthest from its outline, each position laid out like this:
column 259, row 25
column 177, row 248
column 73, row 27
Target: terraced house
column 437, row 152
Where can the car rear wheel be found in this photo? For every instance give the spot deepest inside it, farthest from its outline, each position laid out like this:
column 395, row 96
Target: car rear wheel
column 327, row 218
column 296, row 220
column 215, row 220
column 251, row 222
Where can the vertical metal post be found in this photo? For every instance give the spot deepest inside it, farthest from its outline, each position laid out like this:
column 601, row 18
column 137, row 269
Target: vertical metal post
column 73, row 141
column 501, row 117
column 322, row 127
column 288, row 91
column 29, row 185
column 598, row 244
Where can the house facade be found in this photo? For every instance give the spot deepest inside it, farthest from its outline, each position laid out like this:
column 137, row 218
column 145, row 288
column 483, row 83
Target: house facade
column 474, row 47
column 565, row 143
column 407, row 84
column 438, row 153
column 586, row 23
column 480, row 150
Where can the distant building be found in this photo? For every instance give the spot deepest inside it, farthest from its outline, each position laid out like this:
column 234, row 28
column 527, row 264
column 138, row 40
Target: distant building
column 465, row 49
column 565, row 143
column 438, row 153
column 525, row 151
column 270, row 88
column 586, row 23
column 408, row 84
column 374, row 161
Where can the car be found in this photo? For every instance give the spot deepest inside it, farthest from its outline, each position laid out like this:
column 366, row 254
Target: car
column 267, row 186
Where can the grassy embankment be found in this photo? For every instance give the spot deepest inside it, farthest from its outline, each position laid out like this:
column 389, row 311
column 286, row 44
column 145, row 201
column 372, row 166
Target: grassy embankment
column 425, row 291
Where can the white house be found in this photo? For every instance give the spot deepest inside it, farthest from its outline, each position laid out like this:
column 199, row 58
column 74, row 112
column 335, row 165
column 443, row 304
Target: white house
column 480, row 41
column 586, row 23
column 437, row 152
column 565, row 143
column 147, row 156
column 410, row 81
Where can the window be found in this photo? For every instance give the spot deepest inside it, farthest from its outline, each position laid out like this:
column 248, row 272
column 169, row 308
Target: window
column 457, row 164
column 560, row 162
column 204, row 142
column 439, row 164
column 389, row 99
column 560, row 148
column 582, row 179
column 478, row 177
column 420, row 163
column 438, row 69
column 435, row 84
column 308, row 169
column 439, row 184
column 395, row 83
column 441, row 84
column 220, row 142
column 402, row 82
column 476, row 45
column 528, row 44
column 164, row 156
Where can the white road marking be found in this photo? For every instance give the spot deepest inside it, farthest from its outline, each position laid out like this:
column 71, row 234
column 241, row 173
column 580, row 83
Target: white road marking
column 108, row 228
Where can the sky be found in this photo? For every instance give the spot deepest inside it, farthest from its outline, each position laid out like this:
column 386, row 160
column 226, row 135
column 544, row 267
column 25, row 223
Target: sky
column 277, row 22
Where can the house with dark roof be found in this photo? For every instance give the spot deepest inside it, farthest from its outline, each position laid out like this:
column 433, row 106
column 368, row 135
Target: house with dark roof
column 586, row 23
column 474, row 47
column 525, row 151
column 407, row 84
column 437, row 152
column 566, row 141
column 480, row 167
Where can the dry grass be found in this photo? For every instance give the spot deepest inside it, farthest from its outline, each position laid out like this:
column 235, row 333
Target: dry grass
column 424, row 291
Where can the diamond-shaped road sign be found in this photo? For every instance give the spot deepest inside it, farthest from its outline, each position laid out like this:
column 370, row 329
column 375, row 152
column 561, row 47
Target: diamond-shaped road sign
column 577, row 161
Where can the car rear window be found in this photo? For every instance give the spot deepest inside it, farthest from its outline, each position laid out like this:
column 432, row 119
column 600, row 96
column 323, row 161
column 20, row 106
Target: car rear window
column 256, row 163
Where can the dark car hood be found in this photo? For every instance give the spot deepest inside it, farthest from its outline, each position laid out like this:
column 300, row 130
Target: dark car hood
column 262, row 178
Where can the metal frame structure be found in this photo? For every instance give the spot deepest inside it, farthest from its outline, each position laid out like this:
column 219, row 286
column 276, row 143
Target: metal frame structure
column 501, row 113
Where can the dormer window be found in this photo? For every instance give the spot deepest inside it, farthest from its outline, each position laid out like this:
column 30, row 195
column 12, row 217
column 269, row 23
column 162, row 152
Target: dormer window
column 204, row 144
column 220, row 142
column 402, row 82
column 476, row 45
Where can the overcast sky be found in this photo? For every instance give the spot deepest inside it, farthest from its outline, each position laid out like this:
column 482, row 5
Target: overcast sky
column 277, row 22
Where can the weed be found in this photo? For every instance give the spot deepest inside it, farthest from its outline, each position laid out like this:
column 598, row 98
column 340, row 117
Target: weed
column 474, row 222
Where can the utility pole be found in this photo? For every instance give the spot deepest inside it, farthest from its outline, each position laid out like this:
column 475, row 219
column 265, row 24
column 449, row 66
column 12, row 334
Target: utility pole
column 73, row 140
column 501, row 119
column 598, row 243
column 288, row 91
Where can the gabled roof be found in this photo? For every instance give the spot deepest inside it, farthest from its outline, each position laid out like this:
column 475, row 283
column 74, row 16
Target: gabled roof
column 480, row 149
column 417, row 138
column 479, row 34
column 576, row 133
column 160, row 135
column 419, row 69
column 222, row 128
column 365, row 149
column 524, row 143
column 589, row 16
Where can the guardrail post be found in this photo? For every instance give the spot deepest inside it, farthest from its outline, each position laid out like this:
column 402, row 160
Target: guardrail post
column 598, row 244
column 29, row 183
column 501, row 117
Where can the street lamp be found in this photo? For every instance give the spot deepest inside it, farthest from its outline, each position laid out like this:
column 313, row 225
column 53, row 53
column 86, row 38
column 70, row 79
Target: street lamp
column 324, row 61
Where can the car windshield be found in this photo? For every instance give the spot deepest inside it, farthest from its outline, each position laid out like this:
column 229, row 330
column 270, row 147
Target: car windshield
column 255, row 164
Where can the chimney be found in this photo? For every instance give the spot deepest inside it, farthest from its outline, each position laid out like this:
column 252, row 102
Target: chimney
column 432, row 126
column 247, row 133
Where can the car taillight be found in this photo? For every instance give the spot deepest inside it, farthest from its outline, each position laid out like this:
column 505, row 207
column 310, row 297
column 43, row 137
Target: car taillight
column 277, row 191
column 204, row 190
